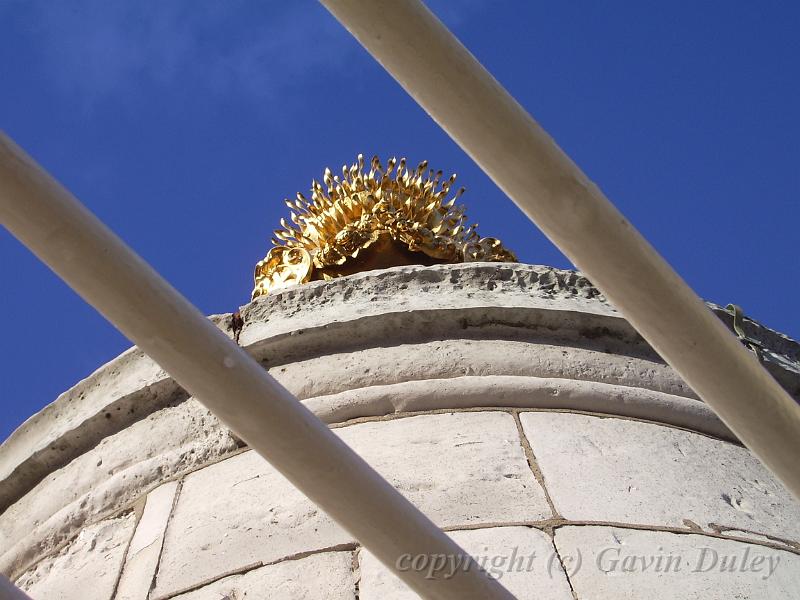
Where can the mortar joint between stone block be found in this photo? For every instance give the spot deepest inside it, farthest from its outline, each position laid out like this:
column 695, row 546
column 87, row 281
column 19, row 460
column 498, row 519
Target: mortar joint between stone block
column 138, row 512
column 784, row 545
column 549, row 526
column 356, row 568
column 533, row 464
column 175, row 498
column 392, row 416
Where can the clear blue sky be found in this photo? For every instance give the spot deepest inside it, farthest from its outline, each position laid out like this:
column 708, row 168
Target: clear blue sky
column 183, row 125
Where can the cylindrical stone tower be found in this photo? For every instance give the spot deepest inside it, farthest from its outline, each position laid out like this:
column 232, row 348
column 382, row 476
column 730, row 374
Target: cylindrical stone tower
column 510, row 402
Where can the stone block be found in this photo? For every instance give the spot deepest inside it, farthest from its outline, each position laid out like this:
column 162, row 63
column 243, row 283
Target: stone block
column 522, row 558
column 87, row 568
column 458, row 468
column 109, row 478
column 606, row 469
column 235, row 514
column 609, row 563
column 141, row 561
column 328, row 576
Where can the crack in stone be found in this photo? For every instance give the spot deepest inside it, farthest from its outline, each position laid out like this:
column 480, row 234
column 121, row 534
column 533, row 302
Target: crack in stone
column 533, row 464
column 346, row 547
column 564, row 569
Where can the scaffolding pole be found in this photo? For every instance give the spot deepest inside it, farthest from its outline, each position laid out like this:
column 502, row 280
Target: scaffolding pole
column 459, row 94
column 89, row 257
column 8, row 591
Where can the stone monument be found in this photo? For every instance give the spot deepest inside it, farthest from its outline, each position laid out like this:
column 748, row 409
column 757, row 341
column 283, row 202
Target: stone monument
column 510, row 402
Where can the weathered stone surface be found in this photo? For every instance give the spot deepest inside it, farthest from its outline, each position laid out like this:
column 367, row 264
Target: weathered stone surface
column 549, row 301
column 87, row 568
column 77, row 420
column 236, row 513
column 458, row 468
column 324, row 576
column 606, row 469
column 404, row 339
column 116, row 395
column 476, row 391
column 413, row 288
column 108, row 478
column 446, row 358
column 521, row 558
column 611, row 563
column 145, row 547
column 410, row 304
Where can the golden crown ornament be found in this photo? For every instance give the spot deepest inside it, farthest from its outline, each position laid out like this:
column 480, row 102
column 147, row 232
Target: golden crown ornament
column 362, row 221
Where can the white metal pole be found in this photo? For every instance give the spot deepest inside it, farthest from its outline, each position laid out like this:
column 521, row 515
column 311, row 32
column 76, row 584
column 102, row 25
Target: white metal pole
column 505, row 141
column 142, row 305
column 8, row 591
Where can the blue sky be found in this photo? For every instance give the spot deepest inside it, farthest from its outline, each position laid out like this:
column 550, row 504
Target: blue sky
column 183, row 125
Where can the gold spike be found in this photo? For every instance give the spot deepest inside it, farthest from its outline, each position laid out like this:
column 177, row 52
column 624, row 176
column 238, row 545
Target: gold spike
column 327, row 178
column 412, row 206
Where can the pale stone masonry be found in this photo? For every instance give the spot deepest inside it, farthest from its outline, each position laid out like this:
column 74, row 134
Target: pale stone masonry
column 212, row 532
column 145, row 548
column 510, row 402
column 522, row 551
column 681, row 476
column 678, row 566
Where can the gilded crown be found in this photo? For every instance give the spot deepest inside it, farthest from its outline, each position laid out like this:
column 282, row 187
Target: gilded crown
column 363, row 221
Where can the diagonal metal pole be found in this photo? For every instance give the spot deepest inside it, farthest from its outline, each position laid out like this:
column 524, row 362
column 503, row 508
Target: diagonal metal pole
column 151, row 313
column 8, row 591
column 507, row 143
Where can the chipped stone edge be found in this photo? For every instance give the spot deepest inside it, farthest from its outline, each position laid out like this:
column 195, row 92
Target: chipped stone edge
column 81, row 417
column 48, row 440
column 44, row 442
